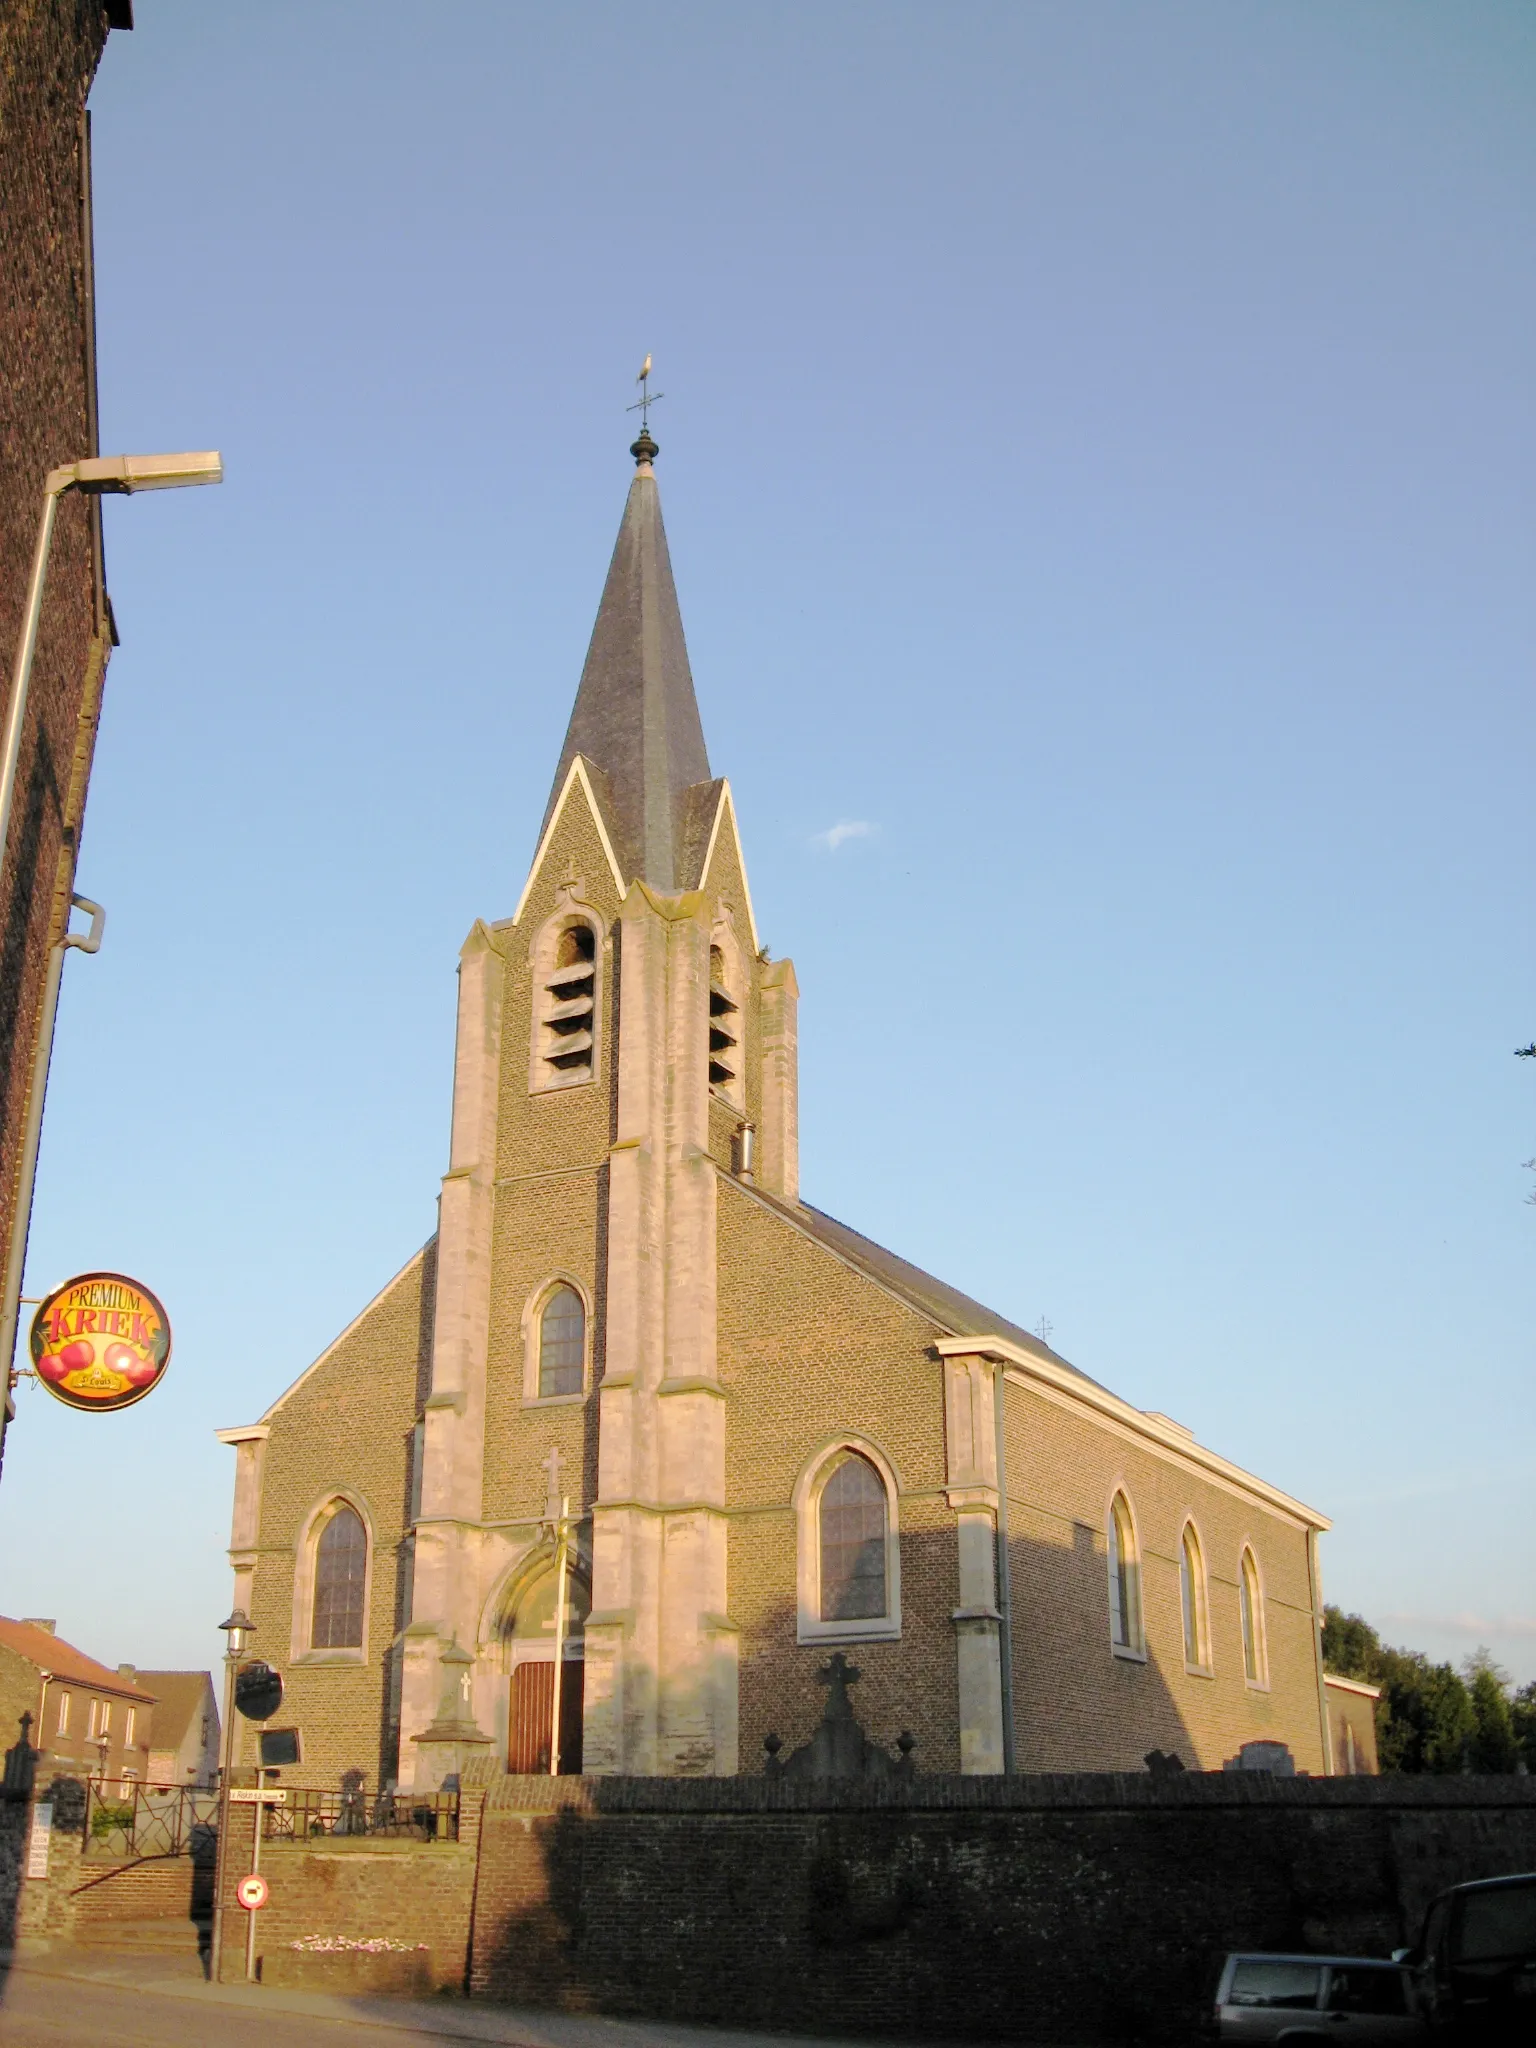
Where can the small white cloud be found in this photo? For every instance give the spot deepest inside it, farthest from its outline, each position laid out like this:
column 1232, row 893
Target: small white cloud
column 1479, row 1625
column 845, row 828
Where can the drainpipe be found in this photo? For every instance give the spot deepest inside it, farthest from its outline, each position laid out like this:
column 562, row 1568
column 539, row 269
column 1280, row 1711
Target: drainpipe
column 1004, row 1577
column 1315, row 1583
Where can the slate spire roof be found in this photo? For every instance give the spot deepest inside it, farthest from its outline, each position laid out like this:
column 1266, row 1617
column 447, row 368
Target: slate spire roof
column 636, row 719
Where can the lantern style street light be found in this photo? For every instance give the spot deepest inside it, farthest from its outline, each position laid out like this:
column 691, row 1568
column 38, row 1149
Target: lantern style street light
column 99, row 476
column 237, row 1631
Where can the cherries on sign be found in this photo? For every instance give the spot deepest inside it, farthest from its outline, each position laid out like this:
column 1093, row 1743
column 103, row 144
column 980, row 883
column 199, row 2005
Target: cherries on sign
column 101, row 1341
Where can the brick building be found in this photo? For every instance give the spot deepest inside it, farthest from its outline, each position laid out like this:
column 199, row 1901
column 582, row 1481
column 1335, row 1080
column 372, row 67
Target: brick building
column 49, row 51
column 778, row 1439
column 184, row 1728
column 87, row 1721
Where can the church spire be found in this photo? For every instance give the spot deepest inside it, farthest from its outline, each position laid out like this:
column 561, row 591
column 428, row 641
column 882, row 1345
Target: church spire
column 636, row 718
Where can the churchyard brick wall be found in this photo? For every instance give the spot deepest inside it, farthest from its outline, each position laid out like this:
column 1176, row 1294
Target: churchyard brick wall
column 35, row 1912
column 1091, row 1909
column 348, row 1424
column 403, row 1891
column 1077, row 1706
column 149, row 1888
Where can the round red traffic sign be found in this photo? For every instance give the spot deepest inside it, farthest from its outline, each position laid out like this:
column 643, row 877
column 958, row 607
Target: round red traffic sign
column 252, row 1891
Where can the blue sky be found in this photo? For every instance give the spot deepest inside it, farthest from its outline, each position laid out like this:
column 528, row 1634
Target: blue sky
column 1097, row 458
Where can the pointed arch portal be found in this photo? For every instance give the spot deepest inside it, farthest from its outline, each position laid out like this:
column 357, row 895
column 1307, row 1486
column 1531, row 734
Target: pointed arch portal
column 528, row 1632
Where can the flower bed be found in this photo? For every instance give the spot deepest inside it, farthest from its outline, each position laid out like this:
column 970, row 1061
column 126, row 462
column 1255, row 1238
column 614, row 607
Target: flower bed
column 341, row 1964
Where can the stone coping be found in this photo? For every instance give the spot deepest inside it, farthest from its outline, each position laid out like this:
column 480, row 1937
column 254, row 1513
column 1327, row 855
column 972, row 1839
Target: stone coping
column 1042, row 1793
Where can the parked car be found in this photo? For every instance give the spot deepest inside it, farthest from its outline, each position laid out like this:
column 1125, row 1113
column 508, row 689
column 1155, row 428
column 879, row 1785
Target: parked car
column 1473, row 1967
column 1265, row 1998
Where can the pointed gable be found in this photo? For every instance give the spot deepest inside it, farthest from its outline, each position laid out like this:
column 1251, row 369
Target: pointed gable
column 636, row 718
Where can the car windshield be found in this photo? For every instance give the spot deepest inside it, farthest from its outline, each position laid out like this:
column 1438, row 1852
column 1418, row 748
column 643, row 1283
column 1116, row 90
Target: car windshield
column 1261, row 1980
column 1361, row 1989
column 1497, row 1924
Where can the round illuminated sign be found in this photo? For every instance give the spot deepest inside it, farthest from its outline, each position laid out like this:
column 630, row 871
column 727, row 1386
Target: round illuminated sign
column 100, row 1341
column 252, row 1892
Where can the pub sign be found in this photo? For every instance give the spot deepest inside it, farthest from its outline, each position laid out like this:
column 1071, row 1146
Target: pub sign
column 100, row 1342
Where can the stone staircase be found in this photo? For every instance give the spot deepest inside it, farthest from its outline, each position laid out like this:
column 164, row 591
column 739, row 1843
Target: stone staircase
column 184, row 1938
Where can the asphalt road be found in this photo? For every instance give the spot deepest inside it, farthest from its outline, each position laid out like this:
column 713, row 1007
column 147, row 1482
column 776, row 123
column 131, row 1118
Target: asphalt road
column 46, row 2012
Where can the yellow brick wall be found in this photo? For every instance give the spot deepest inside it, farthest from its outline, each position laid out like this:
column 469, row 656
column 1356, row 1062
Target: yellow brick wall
column 543, row 1227
column 348, row 1424
column 1079, row 1707
column 809, row 1349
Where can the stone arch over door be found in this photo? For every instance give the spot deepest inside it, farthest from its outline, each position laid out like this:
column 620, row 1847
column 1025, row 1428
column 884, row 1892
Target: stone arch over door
column 526, row 1635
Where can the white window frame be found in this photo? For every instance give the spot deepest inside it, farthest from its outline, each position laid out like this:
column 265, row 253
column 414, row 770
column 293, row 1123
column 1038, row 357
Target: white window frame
column 61, row 1725
column 1202, row 1663
column 305, row 1547
column 1248, row 1558
column 571, row 910
column 533, row 1318
column 130, row 1719
column 814, row 1474
column 1135, row 1650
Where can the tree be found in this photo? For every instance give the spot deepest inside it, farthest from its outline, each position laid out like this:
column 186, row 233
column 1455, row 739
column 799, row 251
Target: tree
column 1522, row 1715
column 1430, row 1723
column 1494, row 1748
column 1425, row 1720
column 1351, row 1647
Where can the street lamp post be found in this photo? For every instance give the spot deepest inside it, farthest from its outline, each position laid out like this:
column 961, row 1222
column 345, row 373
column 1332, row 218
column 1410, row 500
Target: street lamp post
column 112, row 475
column 236, row 1630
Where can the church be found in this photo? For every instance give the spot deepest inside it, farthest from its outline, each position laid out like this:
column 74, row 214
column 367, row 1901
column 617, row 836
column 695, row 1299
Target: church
column 606, row 1476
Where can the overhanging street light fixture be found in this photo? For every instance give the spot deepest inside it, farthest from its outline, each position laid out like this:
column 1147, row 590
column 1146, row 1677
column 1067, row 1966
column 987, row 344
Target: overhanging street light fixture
column 97, row 476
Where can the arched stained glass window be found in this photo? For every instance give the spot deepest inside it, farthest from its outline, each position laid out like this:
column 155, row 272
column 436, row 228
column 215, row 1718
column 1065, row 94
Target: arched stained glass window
column 852, row 1514
column 562, row 1344
column 341, row 1571
column 1124, row 1578
column 1197, row 1635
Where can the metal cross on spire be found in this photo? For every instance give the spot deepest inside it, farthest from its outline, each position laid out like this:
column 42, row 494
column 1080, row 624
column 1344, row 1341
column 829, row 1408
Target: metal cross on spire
column 647, row 398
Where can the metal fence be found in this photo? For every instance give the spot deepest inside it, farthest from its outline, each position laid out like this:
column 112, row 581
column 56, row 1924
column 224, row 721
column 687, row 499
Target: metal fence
column 303, row 1815
column 180, row 1820
column 150, row 1820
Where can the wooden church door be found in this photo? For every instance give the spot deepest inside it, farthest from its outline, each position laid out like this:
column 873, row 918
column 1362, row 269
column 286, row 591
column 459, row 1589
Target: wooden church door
column 532, row 1712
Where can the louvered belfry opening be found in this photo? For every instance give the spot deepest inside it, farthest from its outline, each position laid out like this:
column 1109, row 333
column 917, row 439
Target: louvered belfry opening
column 724, row 1026
column 569, row 1016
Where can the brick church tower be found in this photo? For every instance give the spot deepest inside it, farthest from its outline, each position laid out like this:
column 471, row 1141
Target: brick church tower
column 594, row 1147
column 776, row 1437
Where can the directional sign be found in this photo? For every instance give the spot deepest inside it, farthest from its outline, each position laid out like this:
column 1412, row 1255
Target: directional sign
column 252, row 1892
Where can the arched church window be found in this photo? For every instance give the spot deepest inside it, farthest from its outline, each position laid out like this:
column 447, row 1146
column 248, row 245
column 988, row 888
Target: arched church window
column 852, row 1518
column 1250, row 1599
column 1124, row 1579
column 341, row 1576
column 1192, row 1594
column 562, row 1344
column 568, row 1007
column 724, row 1028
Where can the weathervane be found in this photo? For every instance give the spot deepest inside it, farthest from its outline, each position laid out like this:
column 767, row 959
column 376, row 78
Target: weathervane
column 647, row 398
